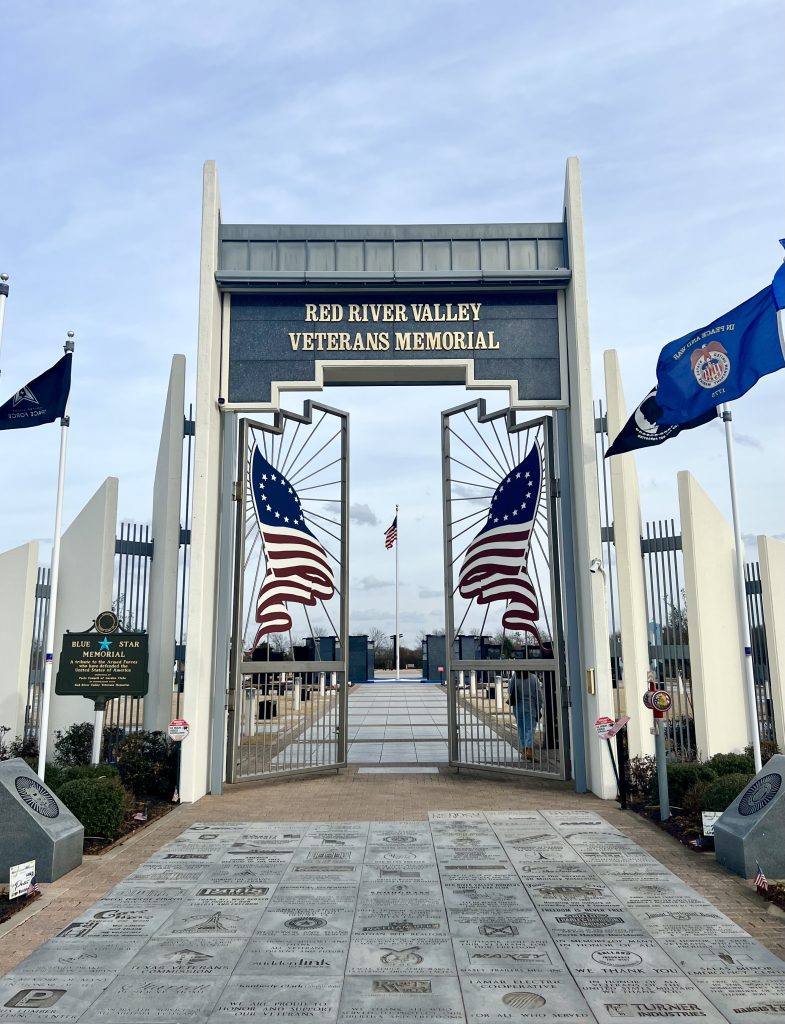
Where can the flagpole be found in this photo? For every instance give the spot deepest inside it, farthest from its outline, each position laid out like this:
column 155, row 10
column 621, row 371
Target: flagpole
column 752, row 704
column 53, row 576
column 3, row 297
column 397, row 631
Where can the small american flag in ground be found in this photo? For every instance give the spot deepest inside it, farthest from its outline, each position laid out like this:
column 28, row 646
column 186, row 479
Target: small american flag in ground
column 761, row 884
column 297, row 566
column 494, row 566
column 33, row 888
column 391, row 534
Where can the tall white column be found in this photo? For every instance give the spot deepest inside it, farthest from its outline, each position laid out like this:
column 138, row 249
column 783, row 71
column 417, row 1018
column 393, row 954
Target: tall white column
column 18, row 572
column 589, row 587
column 633, row 618
column 84, row 589
column 162, row 606
column 718, row 687
column 197, row 696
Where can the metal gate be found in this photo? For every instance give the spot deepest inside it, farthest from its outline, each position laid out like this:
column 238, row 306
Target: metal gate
column 502, row 593
column 288, row 698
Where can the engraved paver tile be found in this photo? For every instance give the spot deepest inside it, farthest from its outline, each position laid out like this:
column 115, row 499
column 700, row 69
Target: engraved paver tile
column 614, row 999
column 50, row 997
column 501, row 955
column 279, row 954
column 401, row 955
column 710, row 956
column 516, row 996
column 134, row 1000
column 383, row 999
column 757, row 1000
column 187, row 956
column 81, row 958
column 288, row 1000
column 197, row 920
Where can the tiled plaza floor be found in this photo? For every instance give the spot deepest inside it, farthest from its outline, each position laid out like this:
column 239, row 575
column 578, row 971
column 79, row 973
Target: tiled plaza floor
column 397, row 723
column 470, row 916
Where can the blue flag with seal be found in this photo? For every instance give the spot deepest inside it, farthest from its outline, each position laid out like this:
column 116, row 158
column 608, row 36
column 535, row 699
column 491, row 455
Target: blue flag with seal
column 722, row 361
column 43, row 400
column 644, row 430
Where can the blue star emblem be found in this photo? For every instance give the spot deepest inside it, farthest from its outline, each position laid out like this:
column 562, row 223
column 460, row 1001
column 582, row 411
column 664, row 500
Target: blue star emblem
column 105, row 644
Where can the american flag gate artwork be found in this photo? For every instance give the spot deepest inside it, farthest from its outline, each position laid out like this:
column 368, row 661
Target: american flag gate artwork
column 287, row 698
column 502, row 589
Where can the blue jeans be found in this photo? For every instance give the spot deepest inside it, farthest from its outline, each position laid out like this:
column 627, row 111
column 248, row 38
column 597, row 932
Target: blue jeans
column 526, row 715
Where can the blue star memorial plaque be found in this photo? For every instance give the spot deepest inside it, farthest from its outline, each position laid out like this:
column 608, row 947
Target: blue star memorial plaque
column 103, row 663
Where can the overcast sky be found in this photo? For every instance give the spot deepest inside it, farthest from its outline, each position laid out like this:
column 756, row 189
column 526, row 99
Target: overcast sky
column 426, row 111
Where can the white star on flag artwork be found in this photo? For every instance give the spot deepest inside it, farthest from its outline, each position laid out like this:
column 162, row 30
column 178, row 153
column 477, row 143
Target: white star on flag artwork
column 495, row 564
column 297, row 568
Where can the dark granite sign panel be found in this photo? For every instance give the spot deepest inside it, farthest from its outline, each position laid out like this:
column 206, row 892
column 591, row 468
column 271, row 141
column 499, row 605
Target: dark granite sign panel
column 280, row 337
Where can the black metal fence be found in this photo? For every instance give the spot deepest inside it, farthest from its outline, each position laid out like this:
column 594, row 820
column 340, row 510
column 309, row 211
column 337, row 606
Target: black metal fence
column 667, row 619
column 761, row 671
column 130, row 594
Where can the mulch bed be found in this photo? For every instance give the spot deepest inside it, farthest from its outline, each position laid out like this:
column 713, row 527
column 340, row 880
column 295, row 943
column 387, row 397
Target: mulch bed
column 10, row 907
column 153, row 808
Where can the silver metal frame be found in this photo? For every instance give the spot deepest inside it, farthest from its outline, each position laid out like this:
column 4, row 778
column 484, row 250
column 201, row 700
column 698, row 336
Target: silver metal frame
column 554, row 665
column 239, row 667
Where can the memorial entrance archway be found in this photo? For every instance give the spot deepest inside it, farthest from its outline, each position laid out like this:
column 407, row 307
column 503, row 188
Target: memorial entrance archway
column 298, row 308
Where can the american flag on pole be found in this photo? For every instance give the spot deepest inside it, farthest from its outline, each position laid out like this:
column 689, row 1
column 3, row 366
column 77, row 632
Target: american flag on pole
column 495, row 564
column 761, row 883
column 391, row 534
column 297, row 566
column 33, row 888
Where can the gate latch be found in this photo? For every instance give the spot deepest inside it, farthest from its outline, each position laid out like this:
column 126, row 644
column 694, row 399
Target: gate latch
column 236, row 490
column 555, row 487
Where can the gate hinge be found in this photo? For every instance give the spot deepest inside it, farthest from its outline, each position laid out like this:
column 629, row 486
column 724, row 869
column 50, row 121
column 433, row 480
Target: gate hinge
column 236, row 490
column 555, row 487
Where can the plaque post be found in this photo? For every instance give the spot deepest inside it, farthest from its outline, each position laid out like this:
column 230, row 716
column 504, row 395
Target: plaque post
column 98, row 731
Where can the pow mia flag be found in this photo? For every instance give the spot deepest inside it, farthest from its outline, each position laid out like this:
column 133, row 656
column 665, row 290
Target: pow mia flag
column 43, row 400
column 643, row 429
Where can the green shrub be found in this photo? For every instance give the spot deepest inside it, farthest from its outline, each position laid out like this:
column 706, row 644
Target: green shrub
column 74, row 745
column 732, row 764
column 27, row 749
column 723, row 791
column 682, row 777
column 694, row 800
column 56, row 777
column 147, row 763
column 99, row 804
column 768, row 748
column 640, row 773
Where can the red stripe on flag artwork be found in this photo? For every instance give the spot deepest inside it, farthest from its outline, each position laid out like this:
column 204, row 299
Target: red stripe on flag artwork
column 495, row 564
column 297, row 569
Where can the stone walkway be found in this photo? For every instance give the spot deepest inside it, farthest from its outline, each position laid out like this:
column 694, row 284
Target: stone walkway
column 489, row 916
column 397, row 723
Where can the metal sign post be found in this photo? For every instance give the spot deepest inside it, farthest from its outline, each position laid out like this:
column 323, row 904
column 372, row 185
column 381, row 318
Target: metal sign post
column 178, row 729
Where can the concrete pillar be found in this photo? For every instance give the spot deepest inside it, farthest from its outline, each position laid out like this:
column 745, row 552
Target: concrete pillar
column 630, row 578
column 18, row 571
column 595, row 668
column 162, row 605
column 473, row 683
column 716, row 658
column 197, row 697
column 771, row 556
column 84, row 589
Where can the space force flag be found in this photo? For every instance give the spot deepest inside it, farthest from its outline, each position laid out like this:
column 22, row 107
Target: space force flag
column 722, row 361
column 644, row 430
column 43, row 400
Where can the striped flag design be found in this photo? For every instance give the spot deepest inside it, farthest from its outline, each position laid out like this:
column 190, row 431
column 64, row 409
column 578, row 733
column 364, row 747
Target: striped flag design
column 495, row 564
column 391, row 534
column 761, row 882
column 297, row 566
